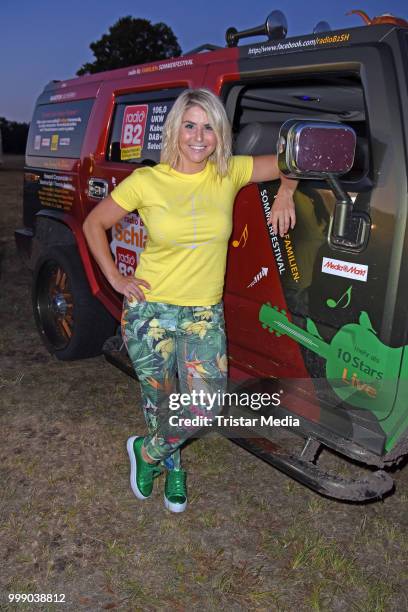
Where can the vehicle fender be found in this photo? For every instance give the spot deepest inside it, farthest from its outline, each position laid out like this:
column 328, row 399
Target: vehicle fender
column 56, row 228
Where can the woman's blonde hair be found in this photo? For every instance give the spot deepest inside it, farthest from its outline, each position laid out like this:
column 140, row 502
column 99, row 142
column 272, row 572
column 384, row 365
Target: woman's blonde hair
column 217, row 117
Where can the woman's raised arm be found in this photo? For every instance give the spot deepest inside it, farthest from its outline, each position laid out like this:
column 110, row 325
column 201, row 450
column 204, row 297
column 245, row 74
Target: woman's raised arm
column 282, row 215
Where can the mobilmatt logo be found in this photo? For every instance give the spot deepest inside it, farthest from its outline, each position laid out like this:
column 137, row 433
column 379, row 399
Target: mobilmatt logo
column 345, row 268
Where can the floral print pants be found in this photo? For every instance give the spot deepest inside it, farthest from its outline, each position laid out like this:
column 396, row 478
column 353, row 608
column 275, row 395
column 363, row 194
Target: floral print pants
column 165, row 341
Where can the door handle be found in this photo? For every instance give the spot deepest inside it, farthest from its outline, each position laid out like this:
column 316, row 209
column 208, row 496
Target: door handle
column 97, row 188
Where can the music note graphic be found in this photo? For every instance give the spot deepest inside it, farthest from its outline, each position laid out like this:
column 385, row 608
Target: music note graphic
column 244, row 237
column 347, row 294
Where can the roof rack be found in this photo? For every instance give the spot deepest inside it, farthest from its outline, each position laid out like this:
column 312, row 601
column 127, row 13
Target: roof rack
column 204, row 47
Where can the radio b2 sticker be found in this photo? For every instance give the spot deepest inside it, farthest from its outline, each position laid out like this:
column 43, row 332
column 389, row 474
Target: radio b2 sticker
column 129, row 238
column 133, row 131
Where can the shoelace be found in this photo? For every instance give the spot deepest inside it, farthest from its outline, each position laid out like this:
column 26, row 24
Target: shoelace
column 176, row 482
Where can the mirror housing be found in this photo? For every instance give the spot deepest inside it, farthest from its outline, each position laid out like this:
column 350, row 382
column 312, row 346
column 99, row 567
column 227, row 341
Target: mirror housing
column 315, row 149
column 325, row 150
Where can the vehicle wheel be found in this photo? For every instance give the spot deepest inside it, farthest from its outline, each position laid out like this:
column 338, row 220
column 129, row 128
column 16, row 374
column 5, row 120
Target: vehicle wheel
column 72, row 323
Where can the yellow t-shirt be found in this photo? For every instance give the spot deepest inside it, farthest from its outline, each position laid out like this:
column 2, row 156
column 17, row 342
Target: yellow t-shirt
column 188, row 218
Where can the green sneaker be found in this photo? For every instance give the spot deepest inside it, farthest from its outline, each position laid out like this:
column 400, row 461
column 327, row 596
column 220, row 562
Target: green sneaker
column 175, row 492
column 142, row 473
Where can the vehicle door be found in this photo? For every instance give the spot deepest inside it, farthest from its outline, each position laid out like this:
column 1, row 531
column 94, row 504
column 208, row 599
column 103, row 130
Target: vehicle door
column 336, row 300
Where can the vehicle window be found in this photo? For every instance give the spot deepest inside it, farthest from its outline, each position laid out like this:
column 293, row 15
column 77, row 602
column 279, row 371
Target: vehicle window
column 57, row 130
column 263, row 107
column 258, row 110
column 138, row 121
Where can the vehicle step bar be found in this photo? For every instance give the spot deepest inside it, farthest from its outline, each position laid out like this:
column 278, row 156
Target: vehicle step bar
column 372, row 487
column 114, row 351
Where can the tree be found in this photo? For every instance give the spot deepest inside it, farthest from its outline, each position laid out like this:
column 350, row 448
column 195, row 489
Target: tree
column 14, row 136
column 132, row 41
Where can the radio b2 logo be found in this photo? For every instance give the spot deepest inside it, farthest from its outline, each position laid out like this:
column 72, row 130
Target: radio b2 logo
column 133, row 131
column 126, row 261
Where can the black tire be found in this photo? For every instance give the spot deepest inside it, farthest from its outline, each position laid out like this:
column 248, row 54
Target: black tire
column 72, row 323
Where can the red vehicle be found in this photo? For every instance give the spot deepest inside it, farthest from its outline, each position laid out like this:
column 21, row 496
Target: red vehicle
column 336, row 301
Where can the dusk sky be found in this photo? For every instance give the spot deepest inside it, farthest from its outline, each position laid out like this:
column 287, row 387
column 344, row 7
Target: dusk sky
column 45, row 40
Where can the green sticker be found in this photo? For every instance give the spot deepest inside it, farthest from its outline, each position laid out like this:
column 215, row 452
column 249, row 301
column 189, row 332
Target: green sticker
column 343, row 301
column 359, row 367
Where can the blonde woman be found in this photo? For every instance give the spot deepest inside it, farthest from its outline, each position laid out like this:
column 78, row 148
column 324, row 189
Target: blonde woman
column 173, row 323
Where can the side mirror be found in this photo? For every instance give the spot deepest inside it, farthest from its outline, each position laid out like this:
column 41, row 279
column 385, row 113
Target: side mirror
column 315, row 149
column 325, row 150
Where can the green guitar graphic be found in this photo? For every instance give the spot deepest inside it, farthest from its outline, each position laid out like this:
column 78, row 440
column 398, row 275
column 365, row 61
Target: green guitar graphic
column 361, row 370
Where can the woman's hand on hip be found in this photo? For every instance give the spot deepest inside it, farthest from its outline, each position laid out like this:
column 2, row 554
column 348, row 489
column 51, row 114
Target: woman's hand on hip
column 129, row 286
